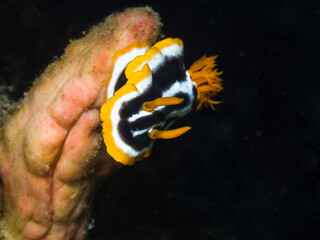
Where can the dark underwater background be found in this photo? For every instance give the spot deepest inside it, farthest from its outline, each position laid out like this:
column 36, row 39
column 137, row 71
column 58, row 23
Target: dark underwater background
column 249, row 170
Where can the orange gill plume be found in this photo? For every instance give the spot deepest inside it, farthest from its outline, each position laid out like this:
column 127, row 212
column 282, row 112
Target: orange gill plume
column 208, row 82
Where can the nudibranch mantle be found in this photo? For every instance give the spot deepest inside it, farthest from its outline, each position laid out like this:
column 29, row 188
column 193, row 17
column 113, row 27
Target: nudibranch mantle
column 148, row 90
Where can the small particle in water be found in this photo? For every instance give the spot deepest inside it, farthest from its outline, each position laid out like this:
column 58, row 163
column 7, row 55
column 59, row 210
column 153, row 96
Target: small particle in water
column 55, row 58
column 241, row 53
column 91, row 224
column 258, row 133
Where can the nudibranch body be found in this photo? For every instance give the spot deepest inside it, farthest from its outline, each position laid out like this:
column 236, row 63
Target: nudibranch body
column 148, row 90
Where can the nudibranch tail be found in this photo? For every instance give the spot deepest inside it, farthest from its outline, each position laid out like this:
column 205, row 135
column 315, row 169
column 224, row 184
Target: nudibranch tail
column 208, row 83
column 148, row 90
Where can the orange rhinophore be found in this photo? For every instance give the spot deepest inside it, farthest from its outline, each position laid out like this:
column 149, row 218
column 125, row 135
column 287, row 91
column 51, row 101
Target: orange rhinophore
column 148, row 90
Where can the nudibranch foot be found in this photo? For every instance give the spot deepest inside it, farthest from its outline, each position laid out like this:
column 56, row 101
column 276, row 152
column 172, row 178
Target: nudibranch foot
column 148, row 90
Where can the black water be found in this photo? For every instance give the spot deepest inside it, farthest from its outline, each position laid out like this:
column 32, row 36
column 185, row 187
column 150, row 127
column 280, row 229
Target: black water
column 249, row 170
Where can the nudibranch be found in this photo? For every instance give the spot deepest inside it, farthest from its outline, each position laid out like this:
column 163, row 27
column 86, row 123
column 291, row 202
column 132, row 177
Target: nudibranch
column 147, row 91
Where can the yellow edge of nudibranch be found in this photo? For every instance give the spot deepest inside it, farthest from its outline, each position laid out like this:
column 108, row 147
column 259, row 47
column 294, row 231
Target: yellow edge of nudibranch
column 123, row 51
column 138, row 61
column 207, row 79
column 107, row 126
column 168, row 42
column 117, row 153
column 154, row 50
